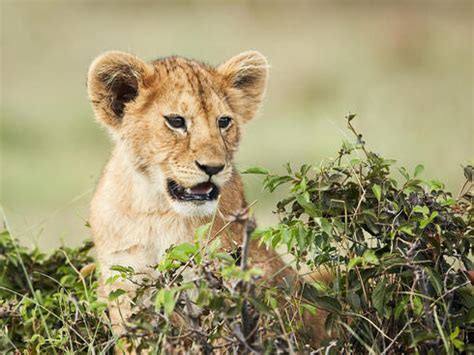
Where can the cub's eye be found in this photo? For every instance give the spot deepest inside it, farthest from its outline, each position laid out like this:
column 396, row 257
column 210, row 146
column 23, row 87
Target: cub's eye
column 176, row 122
column 224, row 122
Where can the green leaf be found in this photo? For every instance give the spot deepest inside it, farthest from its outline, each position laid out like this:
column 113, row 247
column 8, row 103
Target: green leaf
column 435, row 185
column 113, row 295
column 418, row 170
column 423, row 336
column 369, row 257
column 401, row 306
column 328, row 303
column 455, row 333
column 98, row 305
column 407, row 230
column 308, row 207
column 123, row 269
column 259, row 305
column 301, row 238
column 449, row 202
column 428, row 220
column 458, row 344
column 203, row 297
column 225, row 257
column 272, row 181
column 270, row 299
column 166, row 299
column 388, row 162
column 421, row 209
column 202, row 232
column 310, row 308
column 256, row 170
column 404, row 173
column 417, row 305
column 325, row 225
column 182, row 252
column 354, row 300
column 354, row 161
column 110, row 280
column 276, row 239
column 354, row 262
column 381, row 295
column 435, row 280
column 377, row 190
column 331, row 320
column 214, row 246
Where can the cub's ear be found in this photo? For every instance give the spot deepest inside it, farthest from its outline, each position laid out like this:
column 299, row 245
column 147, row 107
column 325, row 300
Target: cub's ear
column 245, row 79
column 114, row 80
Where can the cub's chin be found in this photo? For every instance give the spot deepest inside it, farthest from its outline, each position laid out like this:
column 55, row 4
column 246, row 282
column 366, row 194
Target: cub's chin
column 198, row 200
column 192, row 209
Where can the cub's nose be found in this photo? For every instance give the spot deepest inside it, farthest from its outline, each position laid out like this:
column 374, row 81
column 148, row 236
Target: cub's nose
column 210, row 169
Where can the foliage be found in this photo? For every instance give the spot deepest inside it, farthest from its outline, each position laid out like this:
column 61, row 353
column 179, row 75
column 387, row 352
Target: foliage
column 46, row 305
column 218, row 309
column 399, row 250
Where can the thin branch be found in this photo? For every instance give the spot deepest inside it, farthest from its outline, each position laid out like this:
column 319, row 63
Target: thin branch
column 191, row 259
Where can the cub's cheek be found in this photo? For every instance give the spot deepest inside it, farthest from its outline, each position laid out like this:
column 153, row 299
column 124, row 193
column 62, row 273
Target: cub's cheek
column 222, row 178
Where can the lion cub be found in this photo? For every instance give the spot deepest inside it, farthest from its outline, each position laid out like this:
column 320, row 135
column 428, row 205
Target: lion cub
column 176, row 125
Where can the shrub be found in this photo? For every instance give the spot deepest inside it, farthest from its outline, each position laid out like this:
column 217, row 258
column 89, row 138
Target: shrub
column 400, row 252
column 46, row 305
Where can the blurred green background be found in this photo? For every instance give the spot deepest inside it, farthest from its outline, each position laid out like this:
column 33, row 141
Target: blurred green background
column 406, row 68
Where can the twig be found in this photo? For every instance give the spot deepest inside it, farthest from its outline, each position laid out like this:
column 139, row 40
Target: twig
column 249, row 313
column 285, row 333
column 371, row 322
column 394, row 339
column 245, row 249
column 180, row 272
column 354, row 334
column 462, row 192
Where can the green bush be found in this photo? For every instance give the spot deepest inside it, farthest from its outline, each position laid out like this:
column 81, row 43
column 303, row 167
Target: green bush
column 400, row 251
column 46, row 305
column 399, row 247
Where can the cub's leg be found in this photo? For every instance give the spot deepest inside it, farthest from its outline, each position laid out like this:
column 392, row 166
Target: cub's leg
column 121, row 308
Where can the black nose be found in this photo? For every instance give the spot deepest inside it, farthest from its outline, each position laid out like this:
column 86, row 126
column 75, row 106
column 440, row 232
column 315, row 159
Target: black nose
column 210, row 169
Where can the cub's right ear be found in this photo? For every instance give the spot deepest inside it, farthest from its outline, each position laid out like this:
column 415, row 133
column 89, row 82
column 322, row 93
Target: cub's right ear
column 114, row 80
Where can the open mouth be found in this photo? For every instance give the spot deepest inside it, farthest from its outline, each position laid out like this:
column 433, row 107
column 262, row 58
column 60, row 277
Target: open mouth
column 205, row 191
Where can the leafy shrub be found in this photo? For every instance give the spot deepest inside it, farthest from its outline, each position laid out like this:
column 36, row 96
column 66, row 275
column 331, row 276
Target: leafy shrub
column 46, row 305
column 400, row 252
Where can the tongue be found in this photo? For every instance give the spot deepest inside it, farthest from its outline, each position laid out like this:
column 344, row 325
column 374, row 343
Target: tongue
column 201, row 189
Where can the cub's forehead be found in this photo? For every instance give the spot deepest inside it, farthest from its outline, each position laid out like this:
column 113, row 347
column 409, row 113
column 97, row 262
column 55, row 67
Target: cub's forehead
column 189, row 85
column 176, row 73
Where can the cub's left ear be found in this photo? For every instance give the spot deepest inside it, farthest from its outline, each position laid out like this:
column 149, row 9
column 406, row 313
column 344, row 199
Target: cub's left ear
column 114, row 81
column 245, row 78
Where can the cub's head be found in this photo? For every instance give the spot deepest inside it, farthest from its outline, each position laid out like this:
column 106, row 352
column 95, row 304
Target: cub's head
column 177, row 120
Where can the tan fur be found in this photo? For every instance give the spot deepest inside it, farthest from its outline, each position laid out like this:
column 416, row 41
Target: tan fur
column 133, row 218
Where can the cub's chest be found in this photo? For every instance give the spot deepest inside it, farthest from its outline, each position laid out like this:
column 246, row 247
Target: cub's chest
column 141, row 241
column 166, row 231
